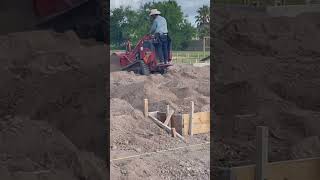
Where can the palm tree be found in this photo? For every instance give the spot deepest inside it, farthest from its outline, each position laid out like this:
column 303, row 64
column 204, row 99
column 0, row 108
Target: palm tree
column 203, row 16
column 203, row 20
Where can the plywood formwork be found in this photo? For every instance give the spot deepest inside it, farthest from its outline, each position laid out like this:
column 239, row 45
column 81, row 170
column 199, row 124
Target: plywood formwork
column 176, row 121
column 307, row 169
column 200, row 122
column 284, row 170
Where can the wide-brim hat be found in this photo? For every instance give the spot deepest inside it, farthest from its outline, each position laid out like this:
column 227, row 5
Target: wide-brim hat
column 154, row 12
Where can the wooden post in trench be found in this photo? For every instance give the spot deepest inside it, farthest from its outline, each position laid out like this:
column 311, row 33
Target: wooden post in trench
column 262, row 153
column 146, row 108
column 191, row 118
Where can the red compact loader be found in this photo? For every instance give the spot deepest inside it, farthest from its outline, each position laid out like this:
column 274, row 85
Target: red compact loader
column 142, row 59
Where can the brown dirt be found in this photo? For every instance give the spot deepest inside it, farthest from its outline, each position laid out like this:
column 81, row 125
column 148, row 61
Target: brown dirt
column 114, row 63
column 267, row 68
column 132, row 133
column 52, row 89
column 177, row 88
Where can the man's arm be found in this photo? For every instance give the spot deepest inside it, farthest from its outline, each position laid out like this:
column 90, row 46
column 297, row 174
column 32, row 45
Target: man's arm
column 153, row 27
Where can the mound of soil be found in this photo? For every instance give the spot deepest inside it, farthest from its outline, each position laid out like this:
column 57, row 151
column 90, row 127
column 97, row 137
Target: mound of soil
column 182, row 84
column 266, row 73
column 32, row 149
column 53, row 78
column 133, row 134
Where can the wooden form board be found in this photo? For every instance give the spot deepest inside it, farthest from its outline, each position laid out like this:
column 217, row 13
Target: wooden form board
column 176, row 121
column 165, row 127
column 200, row 123
column 308, row 169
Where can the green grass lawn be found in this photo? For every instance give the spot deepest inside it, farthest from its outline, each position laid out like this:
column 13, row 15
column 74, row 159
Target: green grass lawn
column 189, row 57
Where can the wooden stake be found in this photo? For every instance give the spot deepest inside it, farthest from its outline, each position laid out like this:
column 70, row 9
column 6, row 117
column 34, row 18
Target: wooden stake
column 154, row 113
column 173, row 132
column 168, row 129
column 168, row 112
column 168, row 118
column 191, row 118
column 146, row 108
column 262, row 152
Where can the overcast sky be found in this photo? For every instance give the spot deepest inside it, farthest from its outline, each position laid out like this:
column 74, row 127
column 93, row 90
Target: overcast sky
column 189, row 7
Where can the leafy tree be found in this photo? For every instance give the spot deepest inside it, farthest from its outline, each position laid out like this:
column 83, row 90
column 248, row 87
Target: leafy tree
column 117, row 19
column 180, row 30
column 203, row 21
column 123, row 21
column 126, row 22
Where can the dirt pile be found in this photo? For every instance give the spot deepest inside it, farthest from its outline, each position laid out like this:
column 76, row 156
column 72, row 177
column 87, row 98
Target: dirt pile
column 114, row 63
column 276, row 37
column 53, row 78
column 266, row 73
column 177, row 88
column 182, row 84
column 133, row 134
column 32, row 149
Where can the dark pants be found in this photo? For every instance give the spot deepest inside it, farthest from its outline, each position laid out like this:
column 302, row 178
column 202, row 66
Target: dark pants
column 162, row 48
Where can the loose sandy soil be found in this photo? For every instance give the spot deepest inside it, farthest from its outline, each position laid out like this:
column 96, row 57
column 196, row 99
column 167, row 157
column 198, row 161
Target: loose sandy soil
column 133, row 134
column 268, row 70
column 52, row 107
